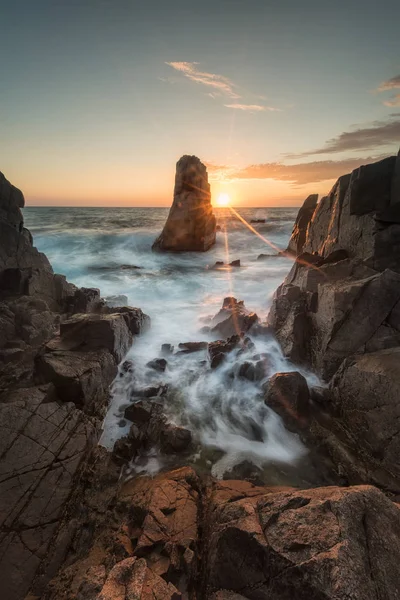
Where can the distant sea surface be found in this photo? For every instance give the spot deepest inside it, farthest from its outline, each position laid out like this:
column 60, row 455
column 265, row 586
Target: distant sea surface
column 110, row 249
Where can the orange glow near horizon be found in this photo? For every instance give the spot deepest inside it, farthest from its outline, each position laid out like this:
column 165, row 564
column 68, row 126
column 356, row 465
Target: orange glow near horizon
column 223, row 199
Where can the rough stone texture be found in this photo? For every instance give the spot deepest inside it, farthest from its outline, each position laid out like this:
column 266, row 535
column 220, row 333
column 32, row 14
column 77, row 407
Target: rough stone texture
column 319, row 544
column 232, row 540
column 288, row 395
column 47, row 384
column 42, row 445
column 191, row 224
column 298, row 237
column 233, row 318
column 343, row 318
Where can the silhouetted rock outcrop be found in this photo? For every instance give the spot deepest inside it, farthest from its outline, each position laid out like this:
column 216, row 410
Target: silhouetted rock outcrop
column 338, row 313
column 191, row 224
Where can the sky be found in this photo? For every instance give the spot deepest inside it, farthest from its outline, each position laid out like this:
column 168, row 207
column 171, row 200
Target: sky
column 100, row 98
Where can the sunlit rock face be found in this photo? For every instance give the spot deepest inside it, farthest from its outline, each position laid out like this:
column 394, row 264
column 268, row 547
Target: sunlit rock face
column 191, row 223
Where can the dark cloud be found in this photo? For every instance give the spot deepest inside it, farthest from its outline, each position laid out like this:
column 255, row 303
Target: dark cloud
column 297, row 174
column 379, row 133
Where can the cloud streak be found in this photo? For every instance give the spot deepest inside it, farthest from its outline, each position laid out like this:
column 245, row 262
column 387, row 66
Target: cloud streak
column 218, row 82
column 379, row 133
column 296, row 174
column 252, row 107
column 395, row 101
column 390, row 84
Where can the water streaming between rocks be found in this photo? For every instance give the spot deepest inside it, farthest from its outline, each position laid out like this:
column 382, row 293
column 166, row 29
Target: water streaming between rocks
column 102, row 248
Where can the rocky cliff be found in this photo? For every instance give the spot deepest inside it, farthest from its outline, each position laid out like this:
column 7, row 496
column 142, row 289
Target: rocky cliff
column 191, row 224
column 75, row 526
column 59, row 350
column 338, row 312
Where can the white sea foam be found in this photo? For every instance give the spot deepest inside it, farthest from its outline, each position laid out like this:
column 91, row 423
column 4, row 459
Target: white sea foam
column 224, row 412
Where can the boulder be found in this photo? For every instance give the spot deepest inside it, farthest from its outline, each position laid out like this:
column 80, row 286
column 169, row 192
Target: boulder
column 189, row 347
column 158, row 364
column 233, row 318
column 298, row 237
column 92, row 332
column 319, row 544
column 288, row 395
column 191, row 224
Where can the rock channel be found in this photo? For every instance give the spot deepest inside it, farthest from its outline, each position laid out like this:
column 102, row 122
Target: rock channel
column 74, row 529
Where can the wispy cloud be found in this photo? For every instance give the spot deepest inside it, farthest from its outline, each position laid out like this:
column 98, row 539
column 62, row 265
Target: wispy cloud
column 252, row 107
column 379, row 133
column 218, row 82
column 395, row 101
column 390, row 84
column 297, row 174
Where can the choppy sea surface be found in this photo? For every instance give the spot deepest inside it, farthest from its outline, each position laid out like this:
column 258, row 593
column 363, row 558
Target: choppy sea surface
column 99, row 247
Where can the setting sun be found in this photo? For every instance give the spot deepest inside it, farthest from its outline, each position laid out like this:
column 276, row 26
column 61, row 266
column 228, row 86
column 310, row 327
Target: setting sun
column 223, row 200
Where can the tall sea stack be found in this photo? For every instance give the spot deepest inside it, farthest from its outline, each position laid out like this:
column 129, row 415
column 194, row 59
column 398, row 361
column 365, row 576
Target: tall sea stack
column 191, row 223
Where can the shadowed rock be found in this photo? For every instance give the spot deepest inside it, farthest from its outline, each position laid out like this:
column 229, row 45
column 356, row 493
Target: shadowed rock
column 299, row 232
column 191, row 223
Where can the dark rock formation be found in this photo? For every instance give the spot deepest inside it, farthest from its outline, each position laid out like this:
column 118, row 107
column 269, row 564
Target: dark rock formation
column 299, row 232
column 191, row 224
column 288, row 395
column 338, row 313
column 56, row 367
column 233, row 318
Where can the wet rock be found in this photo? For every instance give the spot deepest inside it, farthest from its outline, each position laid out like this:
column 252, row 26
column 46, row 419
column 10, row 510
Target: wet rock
column 257, row 221
column 233, row 318
column 302, row 544
column 84, row 300
column 158, row 364
column 191, row 223
column 235, row 263
column 189, row 347
column 298, row 237
column 174, row 439
column 127, row 366
column 218, row 228
column 136, row 320
column 220, row 348
column 149, row 392
column 288, row 395
column 139, row 412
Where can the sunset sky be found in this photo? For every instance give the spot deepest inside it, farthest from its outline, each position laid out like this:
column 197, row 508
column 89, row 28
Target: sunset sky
column 99, row 98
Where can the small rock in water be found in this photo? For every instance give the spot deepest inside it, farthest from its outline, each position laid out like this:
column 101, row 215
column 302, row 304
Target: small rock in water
column 150, row 392
column 235, row 263
column 121, row 423
column 189, row 347
column 174, row 439
column 158, row 364
column 139, row 412
column 218, row 228
column 257, row 220
column 264, row 256
column 127, row 366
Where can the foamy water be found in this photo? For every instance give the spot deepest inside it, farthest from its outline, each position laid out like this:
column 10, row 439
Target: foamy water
column 226, row 414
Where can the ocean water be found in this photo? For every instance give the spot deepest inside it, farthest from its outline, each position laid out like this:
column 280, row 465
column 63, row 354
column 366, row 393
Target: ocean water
column 99, row 247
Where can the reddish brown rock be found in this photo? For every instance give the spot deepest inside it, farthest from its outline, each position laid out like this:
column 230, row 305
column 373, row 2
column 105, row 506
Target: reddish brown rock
column 191, row 223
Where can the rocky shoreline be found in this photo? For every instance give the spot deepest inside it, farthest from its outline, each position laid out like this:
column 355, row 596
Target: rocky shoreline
column 73, row 528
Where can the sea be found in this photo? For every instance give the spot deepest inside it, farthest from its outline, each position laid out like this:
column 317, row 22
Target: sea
column 110, row 249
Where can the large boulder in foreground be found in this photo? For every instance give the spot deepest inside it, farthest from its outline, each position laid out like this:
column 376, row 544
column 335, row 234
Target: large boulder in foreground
column 191, row 223
column 319, row 544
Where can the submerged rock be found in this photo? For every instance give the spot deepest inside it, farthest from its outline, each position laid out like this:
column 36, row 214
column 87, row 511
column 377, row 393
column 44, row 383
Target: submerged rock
column 191, row 224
